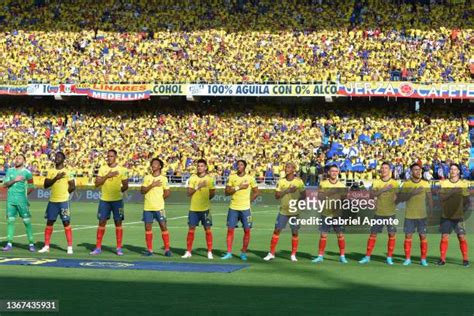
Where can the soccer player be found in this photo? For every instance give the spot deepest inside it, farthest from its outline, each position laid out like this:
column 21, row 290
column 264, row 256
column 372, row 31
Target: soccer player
column 386, row 191
column 287, row 189
column 416, row 192
column 201, row 189
column 61, row 182
column 19, row 182
column 243, row 189
column 113, row 181
column 454, row 198
column 335, row 191
column 156, row 190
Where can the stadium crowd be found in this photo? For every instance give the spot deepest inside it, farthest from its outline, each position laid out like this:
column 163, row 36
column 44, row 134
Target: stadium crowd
column 234, row 41
column 356, row 137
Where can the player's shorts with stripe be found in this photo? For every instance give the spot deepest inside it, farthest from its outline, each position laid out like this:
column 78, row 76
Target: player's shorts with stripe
column 203, row 217
column 412, row 225
column 15, row 209
column 108, row 207
column 55, row 209
column 447, row 226
column 150, row 216
column 282, row 220
column 378, row 228
column 326, row 227
column 234, row 216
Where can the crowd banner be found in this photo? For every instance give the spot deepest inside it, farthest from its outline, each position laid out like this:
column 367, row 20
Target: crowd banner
column 170, row 89
column 13, row 90
column 120, row 92
column 408, row 90
column 263, row 90
column 131, row 92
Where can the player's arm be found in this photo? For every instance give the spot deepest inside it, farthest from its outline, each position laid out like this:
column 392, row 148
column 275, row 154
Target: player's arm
column 212, row 193
column 71, row 186
column 255, row 194
column 49, row 182
column 12, row 182
column 230, row 190
column 124, row 185
column 31, row 186
column 166, row 193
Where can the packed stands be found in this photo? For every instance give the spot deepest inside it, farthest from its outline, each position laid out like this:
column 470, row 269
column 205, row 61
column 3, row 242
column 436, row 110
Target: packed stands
column 234, row 41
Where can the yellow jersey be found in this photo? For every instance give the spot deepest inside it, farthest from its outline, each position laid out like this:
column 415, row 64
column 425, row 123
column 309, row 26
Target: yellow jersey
column 453, row 207
column 416, row 205
column 240, row 200
column 111, row 190
column 282, row 185
column 59, row 190
column 385, row 205
column 154, row 200
column 200, row 199
column 334, row 193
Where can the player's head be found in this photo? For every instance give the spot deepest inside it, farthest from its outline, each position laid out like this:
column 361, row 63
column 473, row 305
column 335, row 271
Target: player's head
column 333, row 172
column 156, row 164
column 20, row 160
column 59, row 158
column 385, row 169
column 241, row 165
column 454, row 170
column 111, row 156
column 415, row 171
column 201, row 166
column 290, row 168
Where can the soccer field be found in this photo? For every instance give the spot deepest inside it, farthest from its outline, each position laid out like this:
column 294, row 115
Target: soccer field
column 277, row 287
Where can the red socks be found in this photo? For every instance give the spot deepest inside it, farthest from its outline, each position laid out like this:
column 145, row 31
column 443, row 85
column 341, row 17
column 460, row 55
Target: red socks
column 190, row 239
column 294, row 245
column 371, row 245
column 273, row 243
column 341, row 241
column 47, row 235
column 166, row 239
column 424, row 248
column 119, row 236
column 209, row 239
column 149, row 240
column 68, row 232
column 230, row 239
column 407, row 247
column 390, row 246
column 322, row 245
column 443, row 248
column 246, row 241
column 100, row 235
column 463, row 247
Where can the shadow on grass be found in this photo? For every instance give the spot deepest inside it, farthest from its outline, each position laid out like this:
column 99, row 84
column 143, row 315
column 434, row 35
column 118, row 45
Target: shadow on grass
column 86, row 297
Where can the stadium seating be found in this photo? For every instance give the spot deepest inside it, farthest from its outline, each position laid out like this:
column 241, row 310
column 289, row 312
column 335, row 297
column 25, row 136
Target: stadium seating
column 354, row 137
column 234, row 41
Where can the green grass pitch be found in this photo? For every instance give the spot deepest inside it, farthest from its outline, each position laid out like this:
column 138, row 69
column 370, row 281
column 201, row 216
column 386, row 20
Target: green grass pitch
column 277, row 287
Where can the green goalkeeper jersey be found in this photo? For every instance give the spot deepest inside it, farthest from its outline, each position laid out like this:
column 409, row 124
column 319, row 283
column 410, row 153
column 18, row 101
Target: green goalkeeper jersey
column 18, row 192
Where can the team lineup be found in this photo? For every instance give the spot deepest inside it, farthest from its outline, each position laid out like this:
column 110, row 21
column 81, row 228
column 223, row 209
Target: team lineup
column 112, row 179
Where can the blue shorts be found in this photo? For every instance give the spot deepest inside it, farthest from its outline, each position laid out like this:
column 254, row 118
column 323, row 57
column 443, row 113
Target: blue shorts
column 326, row 228
column 150, row 216
column 282, row 220
column 115, row 207
column 205, row 218
column 376, row 229
column 58, row 208
column 412, row 225
column 448, row 225
column 233, row 218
